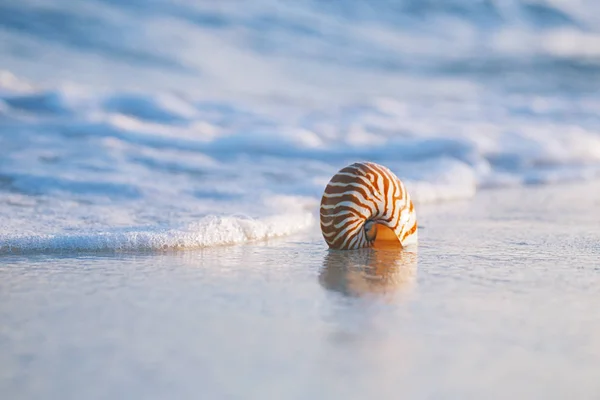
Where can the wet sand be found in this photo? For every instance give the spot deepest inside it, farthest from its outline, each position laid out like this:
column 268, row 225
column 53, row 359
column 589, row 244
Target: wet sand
column 501, row 301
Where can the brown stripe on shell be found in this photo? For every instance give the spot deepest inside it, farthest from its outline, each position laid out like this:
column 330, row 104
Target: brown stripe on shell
column 409, row 232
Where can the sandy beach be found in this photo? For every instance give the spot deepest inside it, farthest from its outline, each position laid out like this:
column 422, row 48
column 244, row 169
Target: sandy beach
column 499, row 302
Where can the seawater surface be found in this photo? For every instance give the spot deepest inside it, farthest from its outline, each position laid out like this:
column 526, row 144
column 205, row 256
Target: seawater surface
column 128, row 125
column 500, row 301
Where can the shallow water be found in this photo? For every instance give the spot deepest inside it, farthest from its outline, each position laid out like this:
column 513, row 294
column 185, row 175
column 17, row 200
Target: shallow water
column 499, row 302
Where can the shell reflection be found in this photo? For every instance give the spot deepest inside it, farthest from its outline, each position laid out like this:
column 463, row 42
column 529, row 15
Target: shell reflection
column 369, row 272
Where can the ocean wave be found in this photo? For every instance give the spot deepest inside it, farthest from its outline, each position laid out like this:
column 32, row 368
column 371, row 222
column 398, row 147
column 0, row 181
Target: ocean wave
column 180, row 111
column 124, row 145
column 309, row 49
column 207, row 232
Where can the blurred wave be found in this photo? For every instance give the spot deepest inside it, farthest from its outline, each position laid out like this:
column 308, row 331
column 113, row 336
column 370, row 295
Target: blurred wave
column 520, row 45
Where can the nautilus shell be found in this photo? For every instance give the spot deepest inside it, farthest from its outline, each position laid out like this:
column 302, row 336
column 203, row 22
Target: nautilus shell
column 366, row 205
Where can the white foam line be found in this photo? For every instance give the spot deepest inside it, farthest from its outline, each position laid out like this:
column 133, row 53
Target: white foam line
column 210, row 231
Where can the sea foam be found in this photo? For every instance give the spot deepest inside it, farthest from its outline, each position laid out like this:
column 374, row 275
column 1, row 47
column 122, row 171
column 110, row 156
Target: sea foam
column 207, row 232
column 166, row 161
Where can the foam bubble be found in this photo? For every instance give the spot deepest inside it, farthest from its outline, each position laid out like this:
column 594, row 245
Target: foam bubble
column 209, row 231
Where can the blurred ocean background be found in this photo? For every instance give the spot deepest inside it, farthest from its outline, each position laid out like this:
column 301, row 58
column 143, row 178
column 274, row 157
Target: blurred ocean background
column 166, row 124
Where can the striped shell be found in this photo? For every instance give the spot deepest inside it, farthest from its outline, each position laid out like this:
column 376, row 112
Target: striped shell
column 359, row 201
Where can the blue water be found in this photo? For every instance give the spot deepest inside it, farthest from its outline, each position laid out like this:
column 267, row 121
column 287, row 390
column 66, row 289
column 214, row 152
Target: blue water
column 130, row 125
